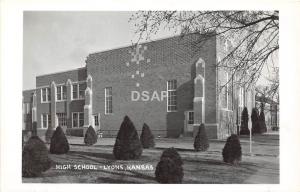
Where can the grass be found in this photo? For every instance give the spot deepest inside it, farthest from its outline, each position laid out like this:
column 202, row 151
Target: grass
column 199, row 167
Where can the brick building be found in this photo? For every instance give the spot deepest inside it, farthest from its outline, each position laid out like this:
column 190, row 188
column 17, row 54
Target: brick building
column 171, row 84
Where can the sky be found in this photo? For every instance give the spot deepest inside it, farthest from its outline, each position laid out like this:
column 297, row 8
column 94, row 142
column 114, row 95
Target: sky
column 60, row 41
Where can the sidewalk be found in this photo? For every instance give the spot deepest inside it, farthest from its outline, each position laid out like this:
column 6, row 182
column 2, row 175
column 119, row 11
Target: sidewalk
column 262, row 145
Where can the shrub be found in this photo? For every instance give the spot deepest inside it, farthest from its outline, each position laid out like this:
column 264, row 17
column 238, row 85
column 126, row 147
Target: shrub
column 128, row 144
column 244, row 122
column 262, row 121
column 147, row 139
column 59, row 143
column 232, row 152
column 169, row 169
column 172, row 154
column 90, row 137
column 255, row 121
column 201, row 142
column 35, row 158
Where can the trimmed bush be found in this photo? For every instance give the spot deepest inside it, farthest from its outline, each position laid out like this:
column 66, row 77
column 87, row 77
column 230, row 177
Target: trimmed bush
column 90, row 137
column 244, row 122
column 49, row 134
column 232, row 151
column 201, row 142
column 262, row 121
column 172, row 154
column 147, row 138
column 35, row 158
column 255, row 121
column 169, row 169
column 127, row 145
column 59, row 143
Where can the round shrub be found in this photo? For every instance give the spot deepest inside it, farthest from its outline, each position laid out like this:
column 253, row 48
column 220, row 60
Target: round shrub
column 172, row 154
column 127, row 145
column 201, row 141
column 59, row 143
column 244, row 122
column 169, row 169
column 255, row 121
column 147, row 138
column 90, row 137
column 232, row 151
column 35, row 158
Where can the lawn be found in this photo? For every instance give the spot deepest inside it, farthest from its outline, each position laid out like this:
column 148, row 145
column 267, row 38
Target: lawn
column 199, row 167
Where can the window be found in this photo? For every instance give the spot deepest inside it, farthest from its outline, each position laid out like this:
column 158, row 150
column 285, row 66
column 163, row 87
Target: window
column 46, row 120
column 191, row 117
column 75, row 91
column 77, row 119
column 61, row 93
column 225, row 92
column 96, row 120
column 108, row 100
column 82, row 87
column 78, row 90
column 172, row 95
column 45, row 94
column 241, row 97
column 62, row 119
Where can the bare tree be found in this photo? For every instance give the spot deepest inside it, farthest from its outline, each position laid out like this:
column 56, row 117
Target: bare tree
column 253, row 35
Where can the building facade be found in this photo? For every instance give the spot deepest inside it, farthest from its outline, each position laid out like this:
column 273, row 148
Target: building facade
column 172, row 84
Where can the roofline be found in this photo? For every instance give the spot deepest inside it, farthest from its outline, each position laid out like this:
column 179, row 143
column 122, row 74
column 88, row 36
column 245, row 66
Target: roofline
column 61, row 71
column 29, row 90
column 144, row 42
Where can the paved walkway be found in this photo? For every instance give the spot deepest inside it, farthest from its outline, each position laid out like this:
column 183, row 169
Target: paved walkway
column 262, row 145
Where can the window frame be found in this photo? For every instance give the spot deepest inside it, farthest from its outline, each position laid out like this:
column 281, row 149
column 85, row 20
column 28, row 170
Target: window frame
column 108, row 101
column 189, row 120
column 78, row 91
column 62, row 92
column 47, row 95
column 78, row 119
column 62, row 117
column 48, row 120
column 171, row 93
column 96, row 116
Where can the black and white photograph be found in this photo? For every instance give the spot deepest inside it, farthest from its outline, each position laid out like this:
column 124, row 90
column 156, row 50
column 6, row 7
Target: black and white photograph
column 175, row 95
column 192, row 97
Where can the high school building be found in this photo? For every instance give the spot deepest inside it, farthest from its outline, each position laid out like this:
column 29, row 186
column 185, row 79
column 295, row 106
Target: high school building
column 171, row 84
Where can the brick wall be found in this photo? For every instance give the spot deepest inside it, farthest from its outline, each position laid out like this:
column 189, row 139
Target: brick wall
column 172, row 58
column 61, row 106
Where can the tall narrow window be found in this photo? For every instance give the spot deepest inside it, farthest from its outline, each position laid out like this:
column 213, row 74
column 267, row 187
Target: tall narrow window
column 46, row 120
column 82, row 87
column 81, row 119
column 75, row 120
column 75, row 91
column 191, row 117
column 45, row 95
column 58, row 93
column 108, row 100
column 172, row 95
column 96, row 120
column 64, row 92
column 225, row 91
column 61, row 93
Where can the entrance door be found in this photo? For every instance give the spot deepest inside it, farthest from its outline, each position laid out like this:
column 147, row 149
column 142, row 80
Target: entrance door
column 189, row 121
